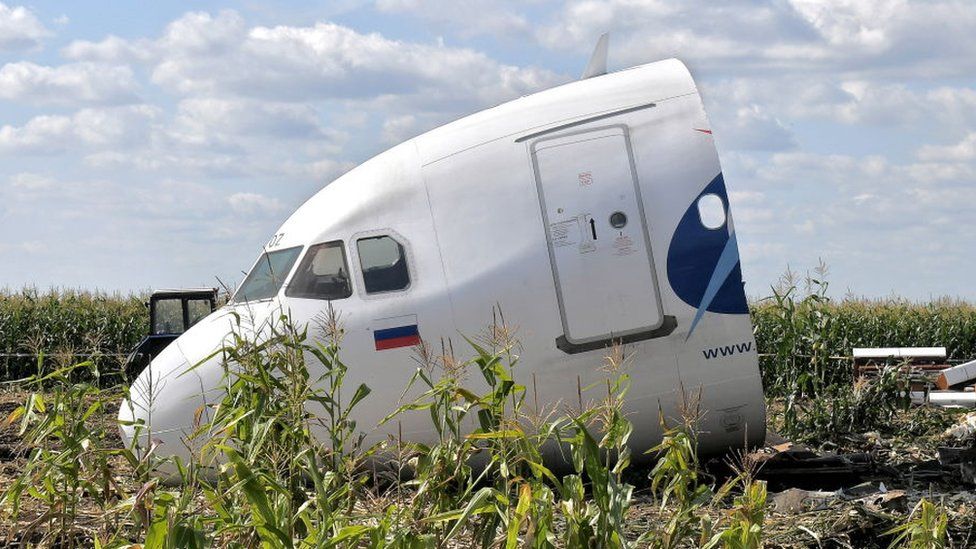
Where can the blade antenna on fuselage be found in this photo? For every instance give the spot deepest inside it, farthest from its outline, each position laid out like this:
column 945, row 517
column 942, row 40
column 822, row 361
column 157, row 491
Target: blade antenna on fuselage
column 598, row 61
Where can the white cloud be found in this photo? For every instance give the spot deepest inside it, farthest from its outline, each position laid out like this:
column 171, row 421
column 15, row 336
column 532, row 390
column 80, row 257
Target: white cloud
column 111, row 49
column 205, row 55
column 753, row 128
column 867, row 216
column 319, row 171
column 764, row 111
column 41, row 134
column 206, row 116
column 745, row 198
column 399, row 128
column 254, row 204
column 31, row 181
column 846, row 128
column 20, row 28
column 119, row 127
column 887, row 37
column 466, row 17
column 852, row 23
column 965, row 150
column 71, row 84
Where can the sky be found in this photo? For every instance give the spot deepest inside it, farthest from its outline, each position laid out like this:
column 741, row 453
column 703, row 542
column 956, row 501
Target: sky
column 160, row 144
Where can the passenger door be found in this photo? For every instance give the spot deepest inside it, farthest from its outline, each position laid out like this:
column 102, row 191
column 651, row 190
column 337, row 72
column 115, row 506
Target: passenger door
column 598, row 241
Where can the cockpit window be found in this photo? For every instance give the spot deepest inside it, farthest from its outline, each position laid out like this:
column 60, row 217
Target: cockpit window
column 322, row 274
column 268, row 274
column 384, row 264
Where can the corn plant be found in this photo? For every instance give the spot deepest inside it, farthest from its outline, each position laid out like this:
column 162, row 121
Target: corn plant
column 926, row 526
column 742, row 525
column 70, row 459
column 676, row 479
column 441, row 470
column 803, row 356
column 278, row 482
column 172, row 518
column 597, row 438
column 804, row 337
column 505, row 495
column 864, row 405
column 509, row 497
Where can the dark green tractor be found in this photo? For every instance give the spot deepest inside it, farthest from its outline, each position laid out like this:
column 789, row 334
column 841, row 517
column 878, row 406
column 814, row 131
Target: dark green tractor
column 171, row 312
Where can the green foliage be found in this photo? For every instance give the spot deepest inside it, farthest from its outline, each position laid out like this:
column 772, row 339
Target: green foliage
column 851, row 407
column 805, row 339
column 801, row 334
column 70, row 458
column 675, row 476
column 68, row 325
column 509, row 497
column 744, row 521
column 927, row 527
column 675, row 481
column 289, row 462
column 281, row 461
column 602, row 460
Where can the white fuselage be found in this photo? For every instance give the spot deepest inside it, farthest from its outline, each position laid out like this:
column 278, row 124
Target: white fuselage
column 576, row 212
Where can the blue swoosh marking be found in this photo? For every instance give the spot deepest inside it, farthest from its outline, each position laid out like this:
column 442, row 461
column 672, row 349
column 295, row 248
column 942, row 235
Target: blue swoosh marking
column 726, row 262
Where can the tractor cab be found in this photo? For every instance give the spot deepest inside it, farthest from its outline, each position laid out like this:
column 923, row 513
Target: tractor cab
column 171, row 312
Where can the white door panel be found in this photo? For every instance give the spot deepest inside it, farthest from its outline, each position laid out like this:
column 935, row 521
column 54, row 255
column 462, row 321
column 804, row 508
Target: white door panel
column 597, row 235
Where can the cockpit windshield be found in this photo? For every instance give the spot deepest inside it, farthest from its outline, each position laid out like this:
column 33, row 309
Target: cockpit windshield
column 268, row 274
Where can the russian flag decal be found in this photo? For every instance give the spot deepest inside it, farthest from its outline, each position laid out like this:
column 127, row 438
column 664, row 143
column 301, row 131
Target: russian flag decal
column 395, row 332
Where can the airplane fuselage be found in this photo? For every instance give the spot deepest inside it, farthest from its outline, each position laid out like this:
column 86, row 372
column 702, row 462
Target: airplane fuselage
column 589, row 213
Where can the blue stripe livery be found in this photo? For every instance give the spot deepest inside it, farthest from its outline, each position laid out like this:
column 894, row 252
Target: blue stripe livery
column 393, row 333
column 703, row 263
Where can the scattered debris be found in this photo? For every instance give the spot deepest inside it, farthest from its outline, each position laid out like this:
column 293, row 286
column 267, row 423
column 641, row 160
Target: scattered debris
column 951, row 399
column 788, row 464
column 796, row 500
column 964, row 430
column 956, row 375
column 920, row 364
column 877, row 497
column 960, row 455
column 917, row 353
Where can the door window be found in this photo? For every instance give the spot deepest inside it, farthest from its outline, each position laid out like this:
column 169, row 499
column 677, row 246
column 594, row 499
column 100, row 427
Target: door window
column 322, row 274
column 384, row 264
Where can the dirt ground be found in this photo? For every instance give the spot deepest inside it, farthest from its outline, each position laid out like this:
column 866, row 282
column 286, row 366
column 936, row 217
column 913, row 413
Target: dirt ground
column 831, row 510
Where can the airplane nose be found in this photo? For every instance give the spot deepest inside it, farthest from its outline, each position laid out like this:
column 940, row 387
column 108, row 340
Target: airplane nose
column 164, row 405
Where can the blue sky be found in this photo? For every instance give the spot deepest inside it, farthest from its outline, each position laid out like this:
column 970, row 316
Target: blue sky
column 159, row 144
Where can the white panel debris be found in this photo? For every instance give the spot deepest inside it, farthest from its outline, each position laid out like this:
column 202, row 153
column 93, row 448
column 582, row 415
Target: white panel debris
column 956, row 375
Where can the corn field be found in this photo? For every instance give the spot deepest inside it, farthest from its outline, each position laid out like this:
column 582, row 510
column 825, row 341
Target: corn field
column 881, row 323
column 796, row 331
column 805, row 339
column 67, row 326
column 259, row 478
column 263, row 480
